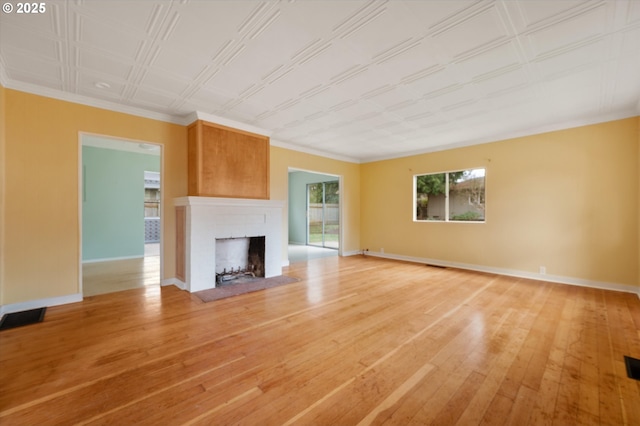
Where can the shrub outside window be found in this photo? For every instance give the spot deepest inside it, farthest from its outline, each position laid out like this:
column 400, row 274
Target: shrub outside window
column 457, row 196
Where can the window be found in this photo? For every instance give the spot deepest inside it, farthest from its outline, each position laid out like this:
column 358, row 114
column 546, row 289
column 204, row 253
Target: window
column 450, row 196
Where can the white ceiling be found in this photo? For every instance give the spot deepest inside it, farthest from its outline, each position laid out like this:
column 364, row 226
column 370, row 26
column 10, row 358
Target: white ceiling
column 353, row 79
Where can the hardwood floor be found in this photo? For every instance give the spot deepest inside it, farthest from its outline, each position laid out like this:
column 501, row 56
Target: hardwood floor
column 125, row 274
column 358, row 340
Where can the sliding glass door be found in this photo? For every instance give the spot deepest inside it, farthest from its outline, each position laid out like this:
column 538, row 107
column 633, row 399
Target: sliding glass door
column 323, row 214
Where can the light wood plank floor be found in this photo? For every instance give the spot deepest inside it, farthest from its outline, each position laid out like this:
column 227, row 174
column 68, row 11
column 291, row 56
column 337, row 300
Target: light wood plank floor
column 358, row 340
column 125, row 274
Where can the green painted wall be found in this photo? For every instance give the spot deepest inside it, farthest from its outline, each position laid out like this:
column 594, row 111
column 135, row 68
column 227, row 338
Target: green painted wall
column 113, row 202
column 298, row 203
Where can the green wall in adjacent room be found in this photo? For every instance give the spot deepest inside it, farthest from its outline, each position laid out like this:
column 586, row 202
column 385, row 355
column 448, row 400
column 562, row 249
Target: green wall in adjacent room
column 298, row 181
column 113, row 202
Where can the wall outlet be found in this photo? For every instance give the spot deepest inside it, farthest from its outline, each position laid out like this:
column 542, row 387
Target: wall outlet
column 543, row 270
column 381, row 250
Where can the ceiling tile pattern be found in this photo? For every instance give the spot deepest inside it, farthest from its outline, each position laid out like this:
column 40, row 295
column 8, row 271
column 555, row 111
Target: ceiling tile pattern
column 354, row 79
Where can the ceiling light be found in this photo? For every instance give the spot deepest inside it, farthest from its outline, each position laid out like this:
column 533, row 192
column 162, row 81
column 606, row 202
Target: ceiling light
column 102, row 85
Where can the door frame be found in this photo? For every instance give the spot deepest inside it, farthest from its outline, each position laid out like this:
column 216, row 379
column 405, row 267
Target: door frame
column 324, row 204
column 339, row 178
column 117, row 140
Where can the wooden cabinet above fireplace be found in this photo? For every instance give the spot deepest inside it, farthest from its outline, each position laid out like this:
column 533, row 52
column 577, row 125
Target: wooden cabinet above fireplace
column 226, row 162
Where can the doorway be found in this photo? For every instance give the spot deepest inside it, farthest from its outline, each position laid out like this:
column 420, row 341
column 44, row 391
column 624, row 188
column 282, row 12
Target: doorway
column 120, row 204
column 152, row 210
column 323, row 214
column 298, row 221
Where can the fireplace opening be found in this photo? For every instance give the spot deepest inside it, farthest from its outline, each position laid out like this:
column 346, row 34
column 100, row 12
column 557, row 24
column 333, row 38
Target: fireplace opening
column 239, row 258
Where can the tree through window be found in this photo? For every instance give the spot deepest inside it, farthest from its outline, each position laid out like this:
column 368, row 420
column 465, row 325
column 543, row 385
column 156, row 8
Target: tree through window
column 450, row 196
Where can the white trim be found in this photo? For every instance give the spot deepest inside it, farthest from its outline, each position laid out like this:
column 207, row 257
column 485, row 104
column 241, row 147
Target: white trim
column 285, row 263
column 118, row 140
column 109, row 259
column 173, row 281
column 501, row 137
column 513, row 273
column 227, row 202
column 117, row 144
column 447, row 207
column 352, row 253
column 340, row 204
column 189, row 118
column 216, row 119
column 311, row 151
column 315, row 172
column 81, row 189
column 92, row 102
column 39, row 303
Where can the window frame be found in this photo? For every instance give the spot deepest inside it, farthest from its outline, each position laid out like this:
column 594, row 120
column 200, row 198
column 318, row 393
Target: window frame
column 447, row 197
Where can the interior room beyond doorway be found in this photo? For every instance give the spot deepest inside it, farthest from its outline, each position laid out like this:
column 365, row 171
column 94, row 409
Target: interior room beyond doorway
column 314, row 210
column 120, row 200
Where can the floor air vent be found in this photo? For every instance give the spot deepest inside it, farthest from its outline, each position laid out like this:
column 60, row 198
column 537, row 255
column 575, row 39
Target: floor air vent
column 18, row 319
column 633, row 367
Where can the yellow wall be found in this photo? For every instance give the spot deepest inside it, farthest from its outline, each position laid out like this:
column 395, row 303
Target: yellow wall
column 567, row 200
column 42, row 241
column 2, row 189
column 282, row 159
column 42, row 250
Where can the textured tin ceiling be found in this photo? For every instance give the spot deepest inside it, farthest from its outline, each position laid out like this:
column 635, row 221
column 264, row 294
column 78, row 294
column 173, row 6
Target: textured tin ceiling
column 358, row 80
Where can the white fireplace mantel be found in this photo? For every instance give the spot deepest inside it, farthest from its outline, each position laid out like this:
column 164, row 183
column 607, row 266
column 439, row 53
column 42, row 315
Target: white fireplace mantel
column 211, row 218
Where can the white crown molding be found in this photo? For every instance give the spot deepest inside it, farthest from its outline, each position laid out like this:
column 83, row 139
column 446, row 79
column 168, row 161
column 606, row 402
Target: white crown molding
column 311, row 151
column 96, row 103
column 518, row 134
column 197, row 115
column 4, row 80
column 513, row 273
column 182, row 120
column 211, row 118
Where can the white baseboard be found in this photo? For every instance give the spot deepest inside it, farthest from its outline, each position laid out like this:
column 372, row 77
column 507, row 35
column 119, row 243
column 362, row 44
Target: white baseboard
column 513, row 273
column 351, row 253
column 174, row 281
column 109, row 259
column 40, row 303
column 74, row 298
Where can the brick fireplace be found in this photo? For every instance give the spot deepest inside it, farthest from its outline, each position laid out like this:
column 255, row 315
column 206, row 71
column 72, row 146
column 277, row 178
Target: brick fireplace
column 203, row 222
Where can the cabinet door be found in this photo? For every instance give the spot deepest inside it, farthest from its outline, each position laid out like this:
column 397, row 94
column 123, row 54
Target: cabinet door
column 228, row 163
